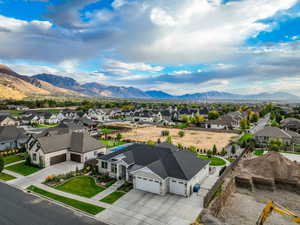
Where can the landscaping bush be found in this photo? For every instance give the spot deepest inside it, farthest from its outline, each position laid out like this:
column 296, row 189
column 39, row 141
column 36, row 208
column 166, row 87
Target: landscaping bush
column 126, row 187
column 165, row 133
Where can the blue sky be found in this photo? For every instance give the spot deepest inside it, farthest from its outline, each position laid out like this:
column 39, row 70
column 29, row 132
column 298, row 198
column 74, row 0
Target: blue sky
column 178, row 46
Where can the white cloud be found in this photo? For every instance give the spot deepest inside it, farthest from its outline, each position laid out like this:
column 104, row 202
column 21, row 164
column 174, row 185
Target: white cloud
column 180, row 72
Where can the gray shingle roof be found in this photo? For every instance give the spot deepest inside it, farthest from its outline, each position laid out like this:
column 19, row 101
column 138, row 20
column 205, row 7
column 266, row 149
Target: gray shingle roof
column 76, row 142
column 273, row 132
column 11, row 133
column 161, row 160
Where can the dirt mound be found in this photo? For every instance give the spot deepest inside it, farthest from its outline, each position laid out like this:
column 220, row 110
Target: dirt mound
column 271, row 165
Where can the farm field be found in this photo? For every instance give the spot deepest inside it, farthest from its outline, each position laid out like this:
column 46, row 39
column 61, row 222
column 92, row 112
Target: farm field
column 199, row 139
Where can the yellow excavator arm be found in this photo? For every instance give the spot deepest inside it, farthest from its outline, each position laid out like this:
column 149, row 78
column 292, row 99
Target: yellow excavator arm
column 272, row 206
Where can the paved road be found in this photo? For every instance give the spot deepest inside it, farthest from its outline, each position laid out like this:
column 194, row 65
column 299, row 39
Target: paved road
column 19, row 208
column 261, row 124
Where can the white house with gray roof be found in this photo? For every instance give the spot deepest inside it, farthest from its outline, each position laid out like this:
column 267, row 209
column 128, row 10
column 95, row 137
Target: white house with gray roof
column 157, row 169
column 52, row 148
column 264, row 135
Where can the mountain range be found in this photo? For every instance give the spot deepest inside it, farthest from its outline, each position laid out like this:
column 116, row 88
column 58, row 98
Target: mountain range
column 16, row 86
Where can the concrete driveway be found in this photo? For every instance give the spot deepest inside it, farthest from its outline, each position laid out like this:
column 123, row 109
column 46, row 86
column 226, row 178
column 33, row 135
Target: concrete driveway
column 143, row 208
column 41, row 175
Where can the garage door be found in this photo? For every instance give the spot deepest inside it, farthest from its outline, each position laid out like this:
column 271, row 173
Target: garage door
column 177, row 187
column 75, row 157
column 147, row 185
column 58, row 159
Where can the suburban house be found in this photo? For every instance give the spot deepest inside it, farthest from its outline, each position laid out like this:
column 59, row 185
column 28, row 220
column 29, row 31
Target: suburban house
column 68, row 114
column 6, row 120
column 11, row 137
column 96, row 114
column 291, row 124
column 264, row 135
column 56, row 147
column 157, row 169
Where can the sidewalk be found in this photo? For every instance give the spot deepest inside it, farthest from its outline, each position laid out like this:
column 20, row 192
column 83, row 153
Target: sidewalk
column 108, row 191
column 12, row 173
column 14, row 163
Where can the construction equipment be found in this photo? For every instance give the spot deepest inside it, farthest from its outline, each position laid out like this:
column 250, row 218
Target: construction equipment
column 272, row 206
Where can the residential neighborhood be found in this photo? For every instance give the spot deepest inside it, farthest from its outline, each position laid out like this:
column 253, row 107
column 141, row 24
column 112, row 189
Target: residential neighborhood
column 109, row 159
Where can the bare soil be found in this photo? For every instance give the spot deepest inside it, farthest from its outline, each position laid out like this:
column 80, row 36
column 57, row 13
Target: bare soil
column 244, row 208
column 199, row 139
column 271, row 165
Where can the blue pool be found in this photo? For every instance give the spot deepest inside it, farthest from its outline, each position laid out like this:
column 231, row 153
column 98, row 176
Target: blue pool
column 119, row 147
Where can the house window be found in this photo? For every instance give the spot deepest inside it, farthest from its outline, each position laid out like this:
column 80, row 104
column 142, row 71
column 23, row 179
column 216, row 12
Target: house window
column 104, row 165
column 34, row 157
column 113, row 168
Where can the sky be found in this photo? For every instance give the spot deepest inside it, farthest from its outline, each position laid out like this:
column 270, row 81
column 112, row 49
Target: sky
column 177, row 46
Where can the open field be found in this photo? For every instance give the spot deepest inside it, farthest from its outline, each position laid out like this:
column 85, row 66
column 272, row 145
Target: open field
column 199, row 139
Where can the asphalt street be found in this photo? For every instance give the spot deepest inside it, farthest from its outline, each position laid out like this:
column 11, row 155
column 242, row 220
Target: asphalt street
column 19, row 208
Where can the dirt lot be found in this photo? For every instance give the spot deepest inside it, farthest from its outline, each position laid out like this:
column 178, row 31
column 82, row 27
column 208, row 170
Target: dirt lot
column 199, row 139
column 244, row 208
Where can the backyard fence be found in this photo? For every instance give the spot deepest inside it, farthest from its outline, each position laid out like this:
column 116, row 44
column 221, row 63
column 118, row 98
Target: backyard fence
column 210, row 195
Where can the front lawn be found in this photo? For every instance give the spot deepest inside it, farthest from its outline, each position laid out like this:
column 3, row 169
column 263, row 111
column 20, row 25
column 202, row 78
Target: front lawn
column 126, row 187
column 6, row 177
column 112, row 143
column 83, row 206
column 214, row 161
column 106, row 130
column 13, row 158
column 110, row 199
column 259, row 152
column 22, row 169
column 45, row 125
column 82, row 186
column 245, row 137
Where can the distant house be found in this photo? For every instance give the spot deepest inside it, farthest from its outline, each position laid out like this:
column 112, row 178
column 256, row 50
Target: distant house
column 68, row 114
column 264, row 135
column 6, row 120
column 55, row 148
column 157, row 169
column 11, row 137
column 291, row 124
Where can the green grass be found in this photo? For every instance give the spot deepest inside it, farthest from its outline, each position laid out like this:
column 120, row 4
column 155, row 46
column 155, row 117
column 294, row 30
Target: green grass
column 107, row 130
column 45, row 125
column 12, row 112
column 259, row 152
column 22, row 169
column 110, row 199
column 82, row 186
column 245, row 137
column 231, row 159
column 214, row 161
column 112, row 143
column 83, row 206
column 53, row 111
column 181, row 125
column 13, row 158
column 6, row 177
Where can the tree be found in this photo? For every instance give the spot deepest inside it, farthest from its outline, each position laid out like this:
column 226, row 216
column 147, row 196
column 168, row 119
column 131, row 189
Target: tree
column 180, row 146
column 233, row 149
column 150, row 142
column 181, row 133
column 213, row 115
column 119, row 136
column 185, row 118
column 193, row 149
column 169, row 139
column 244, row 124
column 275, row 144
column 165, row 133
column 1, row 163
column 209, row 154
column 214, row 150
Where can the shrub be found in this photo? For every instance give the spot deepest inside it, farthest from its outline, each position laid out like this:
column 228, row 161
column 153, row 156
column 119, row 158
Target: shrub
column 181, row 133
column 214, row 150
column 169, row 139
column 165, row 133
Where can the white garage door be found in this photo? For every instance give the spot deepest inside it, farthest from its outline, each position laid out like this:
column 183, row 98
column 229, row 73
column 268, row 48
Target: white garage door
column 177, row 187
column 147, row 185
